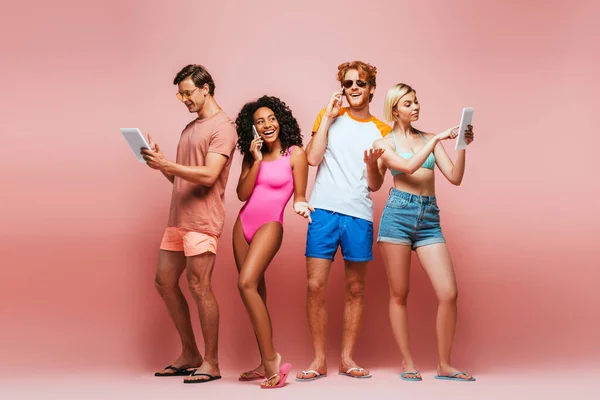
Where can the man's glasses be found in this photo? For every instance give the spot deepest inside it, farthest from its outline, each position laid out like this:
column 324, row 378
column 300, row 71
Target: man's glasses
column 185, row 95
column 348, row 83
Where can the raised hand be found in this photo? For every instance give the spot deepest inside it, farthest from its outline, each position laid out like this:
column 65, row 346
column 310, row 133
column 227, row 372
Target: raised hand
column 469, row 135
column 154, row 157
column 372, row 155
column 450, row 133
column 255, row 147
column 335, row 103
column 151, row 142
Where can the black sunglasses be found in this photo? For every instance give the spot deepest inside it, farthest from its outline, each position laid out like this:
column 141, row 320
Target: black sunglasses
column 348, row 83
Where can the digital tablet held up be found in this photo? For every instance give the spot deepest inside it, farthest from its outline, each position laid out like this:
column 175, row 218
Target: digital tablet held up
column 466, row 119
column 136, row 141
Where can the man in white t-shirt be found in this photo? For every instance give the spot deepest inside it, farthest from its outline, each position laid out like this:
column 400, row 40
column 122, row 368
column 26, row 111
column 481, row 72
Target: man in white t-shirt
column 349, row 168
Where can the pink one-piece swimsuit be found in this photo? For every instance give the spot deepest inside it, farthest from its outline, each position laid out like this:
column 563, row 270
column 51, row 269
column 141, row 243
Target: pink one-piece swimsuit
column 272, row 191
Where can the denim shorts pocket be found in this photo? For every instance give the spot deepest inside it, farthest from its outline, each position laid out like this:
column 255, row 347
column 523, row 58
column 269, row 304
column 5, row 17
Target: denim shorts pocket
column 435, row 208
column 396, row 202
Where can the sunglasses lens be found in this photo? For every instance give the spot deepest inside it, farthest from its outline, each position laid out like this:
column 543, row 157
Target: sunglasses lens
column 348, row 84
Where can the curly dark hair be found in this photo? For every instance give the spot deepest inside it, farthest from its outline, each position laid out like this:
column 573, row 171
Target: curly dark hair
column 289, row 130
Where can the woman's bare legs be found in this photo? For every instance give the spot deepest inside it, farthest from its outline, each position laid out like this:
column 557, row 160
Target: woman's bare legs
column 396, row 258
column 240, row 250
column 265, row 244
column 435, row 260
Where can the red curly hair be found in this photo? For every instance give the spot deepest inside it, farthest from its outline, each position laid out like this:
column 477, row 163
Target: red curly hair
column 366, row 71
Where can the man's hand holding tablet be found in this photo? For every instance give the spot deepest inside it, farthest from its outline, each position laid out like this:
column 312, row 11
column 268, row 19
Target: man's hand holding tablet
column 154, row 158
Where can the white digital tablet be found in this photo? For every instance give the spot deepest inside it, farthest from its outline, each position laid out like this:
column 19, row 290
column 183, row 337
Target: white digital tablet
column 465, row 120
column 136, row 141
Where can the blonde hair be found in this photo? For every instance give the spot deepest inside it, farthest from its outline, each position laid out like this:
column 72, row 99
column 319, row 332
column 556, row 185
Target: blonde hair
column 392, row 98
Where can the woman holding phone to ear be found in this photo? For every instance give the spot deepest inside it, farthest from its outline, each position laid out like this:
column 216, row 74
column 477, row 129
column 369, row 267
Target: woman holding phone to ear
column 411, row 221
column 274, row 168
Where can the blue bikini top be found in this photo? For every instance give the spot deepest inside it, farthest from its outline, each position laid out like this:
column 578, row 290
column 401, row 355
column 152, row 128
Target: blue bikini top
column 429, row 162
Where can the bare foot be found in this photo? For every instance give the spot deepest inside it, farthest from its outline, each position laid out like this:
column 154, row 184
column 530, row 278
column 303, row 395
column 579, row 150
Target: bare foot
column 349, row 367
column 185, row 361
column 253, row 375
column 316, row 365
column 206, row 368
column 272, row 371
column 409, row 371
column 447, row 370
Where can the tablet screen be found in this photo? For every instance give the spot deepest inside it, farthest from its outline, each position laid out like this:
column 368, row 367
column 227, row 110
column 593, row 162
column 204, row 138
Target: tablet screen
column 136, row 141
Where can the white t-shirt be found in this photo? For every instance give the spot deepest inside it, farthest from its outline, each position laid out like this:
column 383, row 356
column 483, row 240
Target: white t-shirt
column 341, row 184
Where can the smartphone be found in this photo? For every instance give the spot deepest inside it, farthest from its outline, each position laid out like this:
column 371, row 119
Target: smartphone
column 255, row 132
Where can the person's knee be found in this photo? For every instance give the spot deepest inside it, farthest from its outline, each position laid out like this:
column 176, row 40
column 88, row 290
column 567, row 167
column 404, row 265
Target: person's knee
column 355, row 290
column 449, row 296
column 399, row 298
column 199, row 288
column 165, row 285
column 316, row 287
column 246, row 285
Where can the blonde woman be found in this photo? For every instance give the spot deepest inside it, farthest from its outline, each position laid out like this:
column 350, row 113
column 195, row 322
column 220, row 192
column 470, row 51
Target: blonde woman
column 411, row 221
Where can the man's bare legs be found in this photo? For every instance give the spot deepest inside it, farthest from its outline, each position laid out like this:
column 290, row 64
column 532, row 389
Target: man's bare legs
column 396, row 258
column 437, row 263
column 199, row 275
column 171, row 265
column 353, row 311
column 240, row 251
column 318, row 275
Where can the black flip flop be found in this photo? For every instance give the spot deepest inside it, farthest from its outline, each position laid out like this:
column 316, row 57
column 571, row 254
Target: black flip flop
column 178, row 371
column 210, row 378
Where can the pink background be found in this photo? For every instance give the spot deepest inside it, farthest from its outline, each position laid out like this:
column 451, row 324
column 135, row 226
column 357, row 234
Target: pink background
column 82, row 220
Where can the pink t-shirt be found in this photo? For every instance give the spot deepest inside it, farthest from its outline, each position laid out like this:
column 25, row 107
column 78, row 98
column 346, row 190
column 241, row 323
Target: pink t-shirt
column 195, row 207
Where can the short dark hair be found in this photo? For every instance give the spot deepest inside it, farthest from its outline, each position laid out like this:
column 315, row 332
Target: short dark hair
column 200, row 76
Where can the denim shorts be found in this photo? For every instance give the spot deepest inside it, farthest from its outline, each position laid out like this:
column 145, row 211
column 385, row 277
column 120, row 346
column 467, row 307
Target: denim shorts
column 411, row 220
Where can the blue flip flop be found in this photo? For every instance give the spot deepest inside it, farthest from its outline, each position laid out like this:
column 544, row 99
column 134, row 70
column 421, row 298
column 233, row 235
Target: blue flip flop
column 454, row 377
column 415, row 379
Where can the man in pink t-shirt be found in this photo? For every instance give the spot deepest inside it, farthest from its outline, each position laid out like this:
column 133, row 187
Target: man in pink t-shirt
column 199, row 176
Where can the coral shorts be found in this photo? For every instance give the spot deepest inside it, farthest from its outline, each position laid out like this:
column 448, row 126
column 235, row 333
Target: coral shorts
column 190, row 242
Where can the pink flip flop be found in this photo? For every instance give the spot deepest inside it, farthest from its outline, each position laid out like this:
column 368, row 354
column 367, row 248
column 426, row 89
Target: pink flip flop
column 284, row 371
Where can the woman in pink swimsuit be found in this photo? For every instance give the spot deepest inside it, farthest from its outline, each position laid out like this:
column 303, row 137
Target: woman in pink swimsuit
column 274, row 168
